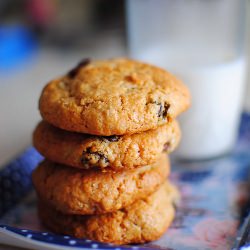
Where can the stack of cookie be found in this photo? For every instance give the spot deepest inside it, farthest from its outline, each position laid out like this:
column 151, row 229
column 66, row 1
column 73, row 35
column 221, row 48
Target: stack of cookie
column 106, row 125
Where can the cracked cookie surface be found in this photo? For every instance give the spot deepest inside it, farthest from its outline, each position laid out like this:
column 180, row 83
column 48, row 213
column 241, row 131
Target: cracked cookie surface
column 76, row 191
column 112, row 152
column 113, row 97
column 143, row 221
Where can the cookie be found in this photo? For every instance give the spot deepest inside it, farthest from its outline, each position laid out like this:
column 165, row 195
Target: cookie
column 115, row 152
column 145, row 220
column 113, row 97
column 75, row 191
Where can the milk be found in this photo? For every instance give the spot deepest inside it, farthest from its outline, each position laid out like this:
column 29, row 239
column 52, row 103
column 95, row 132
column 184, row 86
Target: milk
column 210, row 126
column 202, row 43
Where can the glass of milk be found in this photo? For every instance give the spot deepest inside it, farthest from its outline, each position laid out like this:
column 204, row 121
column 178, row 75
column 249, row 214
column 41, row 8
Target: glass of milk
column 201, row 42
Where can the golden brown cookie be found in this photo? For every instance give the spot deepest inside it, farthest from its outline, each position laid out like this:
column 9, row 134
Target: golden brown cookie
column 75, row 191
column 113, row 97
column 145, row 220
column 113, row 152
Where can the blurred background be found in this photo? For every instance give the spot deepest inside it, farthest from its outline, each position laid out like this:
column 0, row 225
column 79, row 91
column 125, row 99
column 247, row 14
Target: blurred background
column 40, row 40
column 202, row 42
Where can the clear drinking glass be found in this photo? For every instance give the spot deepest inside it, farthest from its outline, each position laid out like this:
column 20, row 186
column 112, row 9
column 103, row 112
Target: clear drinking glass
column 202, row 43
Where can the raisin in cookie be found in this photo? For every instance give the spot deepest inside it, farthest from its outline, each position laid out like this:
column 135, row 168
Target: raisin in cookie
column 113, row 97
column 77, row 191
column 145, row 220
column 113, row 152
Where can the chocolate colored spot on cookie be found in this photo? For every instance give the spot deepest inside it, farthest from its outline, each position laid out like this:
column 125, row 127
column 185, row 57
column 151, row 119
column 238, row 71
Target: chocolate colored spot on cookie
column 112, row 138
column 166, row 146
column 72, row 73
column 160, row 109
column 166, row 108
column 90, row 158
column 163, row 110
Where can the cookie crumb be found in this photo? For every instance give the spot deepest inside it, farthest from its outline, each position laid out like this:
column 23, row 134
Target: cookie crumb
column 131, row 78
